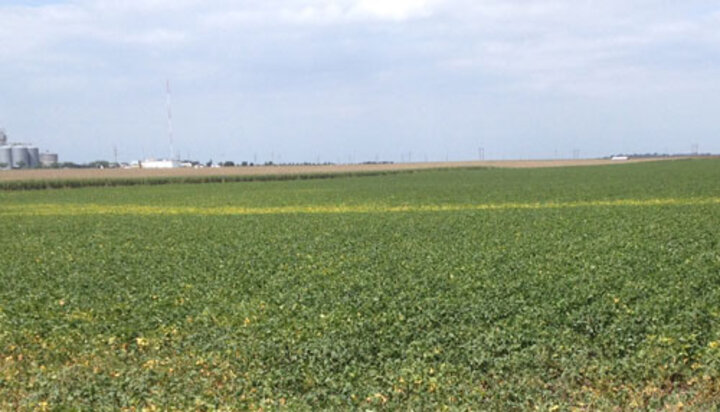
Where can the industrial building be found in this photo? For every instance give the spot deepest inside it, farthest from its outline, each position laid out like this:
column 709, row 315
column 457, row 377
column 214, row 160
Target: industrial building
column 23, row 156
column 159, row 164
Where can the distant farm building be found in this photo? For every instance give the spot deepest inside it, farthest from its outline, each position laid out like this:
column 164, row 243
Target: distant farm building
column 159, row 164
column 21, row 155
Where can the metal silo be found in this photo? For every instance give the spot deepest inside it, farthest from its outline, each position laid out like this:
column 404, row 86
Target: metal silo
column 34, row 154
column 48, row 159
column 6, row 156
column 20, row 156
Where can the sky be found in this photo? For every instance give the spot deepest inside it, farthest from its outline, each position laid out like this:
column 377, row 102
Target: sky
column 360, row 80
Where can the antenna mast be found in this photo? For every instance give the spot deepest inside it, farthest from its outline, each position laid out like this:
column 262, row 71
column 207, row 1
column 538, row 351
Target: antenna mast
column 169, row 119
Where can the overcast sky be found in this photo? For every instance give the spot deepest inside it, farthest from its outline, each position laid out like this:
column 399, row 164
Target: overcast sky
column 356, row 80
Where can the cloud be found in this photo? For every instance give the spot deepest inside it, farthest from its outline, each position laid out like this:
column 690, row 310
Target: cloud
column 584, row 48
column 320, row 12
column 565, row 46
column 375, row 61
column 348, row 11
column 398, row 10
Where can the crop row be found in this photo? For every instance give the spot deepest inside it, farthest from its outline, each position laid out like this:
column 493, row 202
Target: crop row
column 612, row 305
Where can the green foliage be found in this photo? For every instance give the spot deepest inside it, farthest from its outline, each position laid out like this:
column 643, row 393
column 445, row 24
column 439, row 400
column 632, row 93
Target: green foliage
column 593, row 307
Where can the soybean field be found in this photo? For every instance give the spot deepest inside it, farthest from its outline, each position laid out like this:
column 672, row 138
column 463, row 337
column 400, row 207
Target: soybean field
column 572, row 288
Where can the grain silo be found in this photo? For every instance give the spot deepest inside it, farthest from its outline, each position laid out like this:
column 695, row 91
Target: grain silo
column 5, row 156
column 48, row 159
column 34, row 154
column 20, row 156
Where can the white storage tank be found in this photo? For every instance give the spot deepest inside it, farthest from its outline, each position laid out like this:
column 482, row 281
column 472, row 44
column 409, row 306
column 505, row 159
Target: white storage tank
column 20, row 157
column 6, row 157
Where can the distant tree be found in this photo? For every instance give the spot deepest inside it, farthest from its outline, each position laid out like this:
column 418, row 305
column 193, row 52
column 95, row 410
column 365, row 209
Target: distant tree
column 209, row 163
column 229, row 163
column 3, row 165
column 244, row 163
column 97, row 164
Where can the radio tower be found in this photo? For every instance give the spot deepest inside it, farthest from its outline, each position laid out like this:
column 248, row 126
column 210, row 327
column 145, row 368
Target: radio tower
column 169, row 119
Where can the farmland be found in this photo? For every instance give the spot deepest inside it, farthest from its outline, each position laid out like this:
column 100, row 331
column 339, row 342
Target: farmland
column 250, row 173
column 584, row 287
